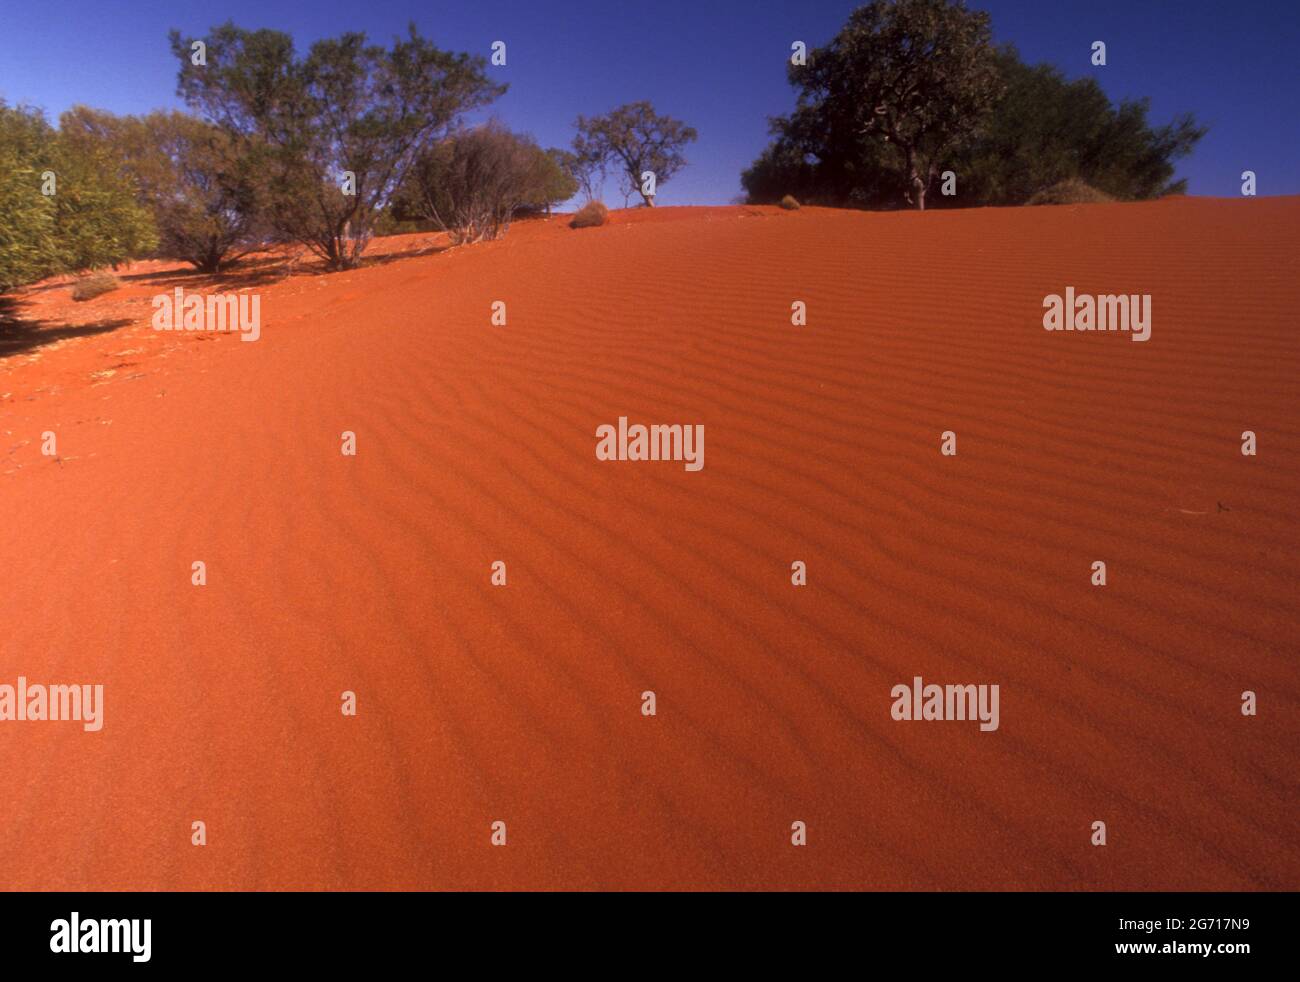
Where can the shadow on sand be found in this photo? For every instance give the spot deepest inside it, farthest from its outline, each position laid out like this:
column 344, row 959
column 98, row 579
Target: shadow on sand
column 18, row 335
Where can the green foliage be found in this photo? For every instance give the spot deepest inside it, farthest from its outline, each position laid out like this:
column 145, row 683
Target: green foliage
column 1047, row 130
column 201, row 191
column 94, row 285
column 590, row 215
column 915, row 75
column 472, row 183
column 584, row 165
column 91, row 220
column 388, row 223
column 28, row 244
column 347, row 107
column 99, row 220
column 635, row 139
column 824, row 166
column 555, row 178
column 1038, row 129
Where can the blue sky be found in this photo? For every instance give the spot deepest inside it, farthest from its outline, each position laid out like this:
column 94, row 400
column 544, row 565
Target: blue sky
column 718, row 64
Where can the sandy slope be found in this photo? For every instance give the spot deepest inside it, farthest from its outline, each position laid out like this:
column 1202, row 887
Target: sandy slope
column 476, row 443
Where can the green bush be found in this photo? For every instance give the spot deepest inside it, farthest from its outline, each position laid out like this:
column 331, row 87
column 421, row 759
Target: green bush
column 346, row 107
column 591, row 214
column 89, row 218
column 634, row 139
column 473, row 183
column 188, row 173
column 1007, row 134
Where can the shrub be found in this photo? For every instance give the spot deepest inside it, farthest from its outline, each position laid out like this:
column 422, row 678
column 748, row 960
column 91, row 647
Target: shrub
column 335, row 132
column 89, row 219
column 1041, row 127
column 635, row 139
column 1070, row 192
column 390, row 222
column 591, row 214
column 790, row 203
column 94, row 285
column 472, row 183
column 29, row 247
column 201, row 192
column 554, row 179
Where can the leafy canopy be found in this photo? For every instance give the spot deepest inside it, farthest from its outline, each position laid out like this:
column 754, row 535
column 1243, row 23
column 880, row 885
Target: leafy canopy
column 635, row 139
column 910, row 88
column 91, row 220
column 348, row 108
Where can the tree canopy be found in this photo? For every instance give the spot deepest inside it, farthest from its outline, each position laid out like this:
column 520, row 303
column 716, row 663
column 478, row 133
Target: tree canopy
column 334, row 132
column 910, row 89
column 63, row 207
column 472, row 183
column 636, row 140
column 201, row 190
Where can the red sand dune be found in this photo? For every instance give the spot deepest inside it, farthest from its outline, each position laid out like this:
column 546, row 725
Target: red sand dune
column 522, row 704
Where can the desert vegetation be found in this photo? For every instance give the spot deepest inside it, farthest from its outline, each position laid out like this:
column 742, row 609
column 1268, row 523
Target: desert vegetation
column 471, row 184
column 909, row 90
column 202, row 193
column 61, row 209
column 910, row 104
column 333, row 133
column 94, row 285
column 590, row 215
column 636, row 141
column 322, row 149
column 1070, row 192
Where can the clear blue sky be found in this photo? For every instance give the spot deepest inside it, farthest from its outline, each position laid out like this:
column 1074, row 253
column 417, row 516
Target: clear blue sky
column 718, row 64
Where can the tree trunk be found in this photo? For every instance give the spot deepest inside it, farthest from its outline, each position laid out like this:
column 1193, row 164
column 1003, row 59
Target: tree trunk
column 914, row 175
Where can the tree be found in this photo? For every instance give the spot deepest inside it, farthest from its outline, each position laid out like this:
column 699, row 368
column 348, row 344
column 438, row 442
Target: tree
column 1041, row 131
column 207, row 207
column 1047, row 130
column 585, row 169
column 472, row 183
column 555, row 180
column 88, row 219
column 824, row 164
column 637, row 140
column 918, row 75
column 201, row 190
column 28, row 245
column 98, row 220
column 334, row 133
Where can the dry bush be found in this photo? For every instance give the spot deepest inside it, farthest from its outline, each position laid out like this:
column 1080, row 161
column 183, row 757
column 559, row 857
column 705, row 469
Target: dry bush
column 94, row 285
column 1070, row 192
column 473, row 183
column 591, row 214
column 790, row 203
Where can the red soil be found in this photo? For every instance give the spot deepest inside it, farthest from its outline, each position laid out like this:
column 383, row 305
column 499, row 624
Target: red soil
column 522, row 704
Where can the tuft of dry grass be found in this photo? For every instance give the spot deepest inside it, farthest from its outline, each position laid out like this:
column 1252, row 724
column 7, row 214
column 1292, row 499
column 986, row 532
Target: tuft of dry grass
column 790, row 203
column 1070, row 192
column 591, row 214
column 94, row 285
